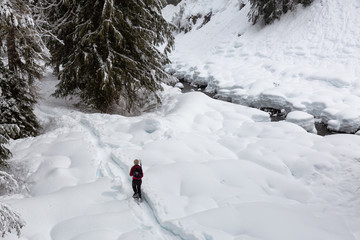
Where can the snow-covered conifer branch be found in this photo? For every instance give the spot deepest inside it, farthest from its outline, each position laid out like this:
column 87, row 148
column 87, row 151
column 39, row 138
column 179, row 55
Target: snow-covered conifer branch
column 10, row 221
column 8, row 183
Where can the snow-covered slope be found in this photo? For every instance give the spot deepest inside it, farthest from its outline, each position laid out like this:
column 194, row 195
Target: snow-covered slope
column 213, row 170
column 308, row 61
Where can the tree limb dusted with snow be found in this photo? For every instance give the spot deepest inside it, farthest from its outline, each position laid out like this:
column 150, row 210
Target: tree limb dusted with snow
column 8, row 183
column 6, row 131
column 22, row 50
column 9, row 221
column 270, row 10
column 24, row 46
column 16, row 105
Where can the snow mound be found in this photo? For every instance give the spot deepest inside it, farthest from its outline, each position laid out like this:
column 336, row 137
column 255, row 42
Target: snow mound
column 302, row 119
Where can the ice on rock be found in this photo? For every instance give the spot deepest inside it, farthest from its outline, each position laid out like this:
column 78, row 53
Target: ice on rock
column 302, row 119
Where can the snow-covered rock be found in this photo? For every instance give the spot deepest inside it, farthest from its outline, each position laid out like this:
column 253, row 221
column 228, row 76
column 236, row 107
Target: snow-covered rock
column 345, row 120
column 179, row 85
column 302, row 119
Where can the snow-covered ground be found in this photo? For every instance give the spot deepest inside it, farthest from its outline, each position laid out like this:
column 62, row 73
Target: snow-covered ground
column 307, row 61
column 213, row 170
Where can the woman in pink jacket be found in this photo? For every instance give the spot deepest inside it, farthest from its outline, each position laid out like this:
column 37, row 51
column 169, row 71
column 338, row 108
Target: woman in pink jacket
column 137, row 174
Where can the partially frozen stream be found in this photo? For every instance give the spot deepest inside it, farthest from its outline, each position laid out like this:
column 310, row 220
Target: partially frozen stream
column 275, row 114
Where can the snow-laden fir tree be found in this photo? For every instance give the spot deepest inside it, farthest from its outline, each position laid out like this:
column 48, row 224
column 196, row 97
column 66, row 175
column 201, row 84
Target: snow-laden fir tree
column 16, row 110
column 9, row 220
column 270, row 10
column 21, row 50
column 110, row 57
column 59, row 25
column 21, row 39
column 16, row 104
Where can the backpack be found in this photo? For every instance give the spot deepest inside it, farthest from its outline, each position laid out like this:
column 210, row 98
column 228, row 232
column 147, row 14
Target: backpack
column 137, row 172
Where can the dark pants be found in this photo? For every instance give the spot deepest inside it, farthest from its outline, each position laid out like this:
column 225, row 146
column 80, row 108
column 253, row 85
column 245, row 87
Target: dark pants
column 136, row 185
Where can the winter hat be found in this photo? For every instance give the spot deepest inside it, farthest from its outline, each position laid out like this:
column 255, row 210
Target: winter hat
column 136, row 161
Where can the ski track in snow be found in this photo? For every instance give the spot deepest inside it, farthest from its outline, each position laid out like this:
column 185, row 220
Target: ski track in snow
column 112, row 166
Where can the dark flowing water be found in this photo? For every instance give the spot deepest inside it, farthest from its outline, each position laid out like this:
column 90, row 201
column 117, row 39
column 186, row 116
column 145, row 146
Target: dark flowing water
column 275, row 114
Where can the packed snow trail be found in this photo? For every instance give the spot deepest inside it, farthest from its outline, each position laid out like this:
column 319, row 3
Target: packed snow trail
column 112, row 166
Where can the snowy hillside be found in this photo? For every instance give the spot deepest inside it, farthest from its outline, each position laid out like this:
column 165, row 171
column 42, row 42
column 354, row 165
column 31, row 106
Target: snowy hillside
column 308, row 61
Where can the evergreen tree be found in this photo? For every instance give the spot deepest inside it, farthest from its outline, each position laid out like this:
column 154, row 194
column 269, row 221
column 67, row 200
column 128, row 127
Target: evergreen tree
column 16, row 104
column 21, row 49
column 59, row 15
column 270, row 10
column 109, row 57
column 305, row 3
column 16, row 107
column 267, row 10
column 24, row 46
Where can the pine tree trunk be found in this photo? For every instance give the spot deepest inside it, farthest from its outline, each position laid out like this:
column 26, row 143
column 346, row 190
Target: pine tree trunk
column 11, row 48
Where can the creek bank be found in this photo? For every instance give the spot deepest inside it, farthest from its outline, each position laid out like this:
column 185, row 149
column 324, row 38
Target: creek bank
column 276, row 115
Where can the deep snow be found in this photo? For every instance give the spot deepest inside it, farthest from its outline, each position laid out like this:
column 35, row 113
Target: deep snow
column 213, row 169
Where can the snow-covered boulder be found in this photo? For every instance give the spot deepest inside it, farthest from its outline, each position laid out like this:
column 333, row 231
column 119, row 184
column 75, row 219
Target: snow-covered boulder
column 179, row 85
column 327, row 114
column 346, row 120
column 302, row 119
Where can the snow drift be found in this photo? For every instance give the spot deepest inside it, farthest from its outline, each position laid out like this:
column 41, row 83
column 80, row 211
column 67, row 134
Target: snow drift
column 213, row 170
